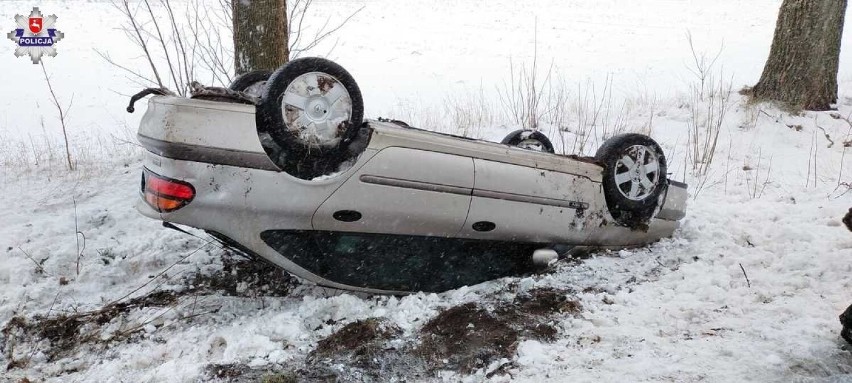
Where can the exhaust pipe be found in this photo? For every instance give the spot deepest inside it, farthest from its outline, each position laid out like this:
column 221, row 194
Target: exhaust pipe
column 544, row 257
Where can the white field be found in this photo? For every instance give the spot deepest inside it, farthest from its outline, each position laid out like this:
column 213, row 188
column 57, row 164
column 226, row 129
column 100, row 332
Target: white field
column 679, row 310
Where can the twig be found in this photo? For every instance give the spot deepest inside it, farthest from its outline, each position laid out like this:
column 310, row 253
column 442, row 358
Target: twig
column 845, row 146
column 62, row 115
column 321, row 34
column 842, row 184
column 187, row 67
column 40, row 268
column 141, row 326
column 77, row 234
column 106, row 57
column 702, row 67
column 125, row 142
column 745, row 275
column 164, row 46
column 770, row 116
column 35, row 348
column 766, row 181
column 827, row 137
column 810, row 158
column 816, row 149
column 160, row 274
column 728, row 164
column 142, row 43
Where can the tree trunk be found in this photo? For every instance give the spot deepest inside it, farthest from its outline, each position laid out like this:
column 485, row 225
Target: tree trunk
column 802, row 67
column 260, row 35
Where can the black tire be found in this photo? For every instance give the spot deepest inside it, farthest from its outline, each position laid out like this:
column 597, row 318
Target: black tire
column 632, row 211
column 521, row 137
column 299, row 158
column 244, row 81
column 846, row 322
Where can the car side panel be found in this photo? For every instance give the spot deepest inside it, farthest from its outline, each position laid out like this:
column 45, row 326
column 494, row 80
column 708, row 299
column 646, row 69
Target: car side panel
column 530, row 204
column 241, row 203
column 403, row 191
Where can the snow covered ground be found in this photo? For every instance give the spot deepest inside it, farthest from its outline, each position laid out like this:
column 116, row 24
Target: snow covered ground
column 680, row 310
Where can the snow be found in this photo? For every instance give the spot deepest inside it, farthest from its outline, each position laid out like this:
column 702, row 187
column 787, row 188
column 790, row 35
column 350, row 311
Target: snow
column 679, row 310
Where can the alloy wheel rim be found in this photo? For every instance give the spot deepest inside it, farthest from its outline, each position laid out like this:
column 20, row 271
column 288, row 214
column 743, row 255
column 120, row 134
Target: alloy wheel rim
column 315, row 105
column 637, row 173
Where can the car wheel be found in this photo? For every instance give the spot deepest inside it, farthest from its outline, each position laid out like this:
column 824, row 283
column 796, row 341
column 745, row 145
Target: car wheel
column 634, row 177
column 529, row 139
column 846, row 322
column 251, row 82
column 312, row 108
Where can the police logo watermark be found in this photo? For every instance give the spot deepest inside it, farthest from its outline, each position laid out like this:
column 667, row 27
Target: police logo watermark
column 35, row 35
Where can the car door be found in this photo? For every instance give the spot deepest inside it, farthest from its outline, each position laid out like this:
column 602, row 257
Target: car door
column 519, row 203
column 402, row 191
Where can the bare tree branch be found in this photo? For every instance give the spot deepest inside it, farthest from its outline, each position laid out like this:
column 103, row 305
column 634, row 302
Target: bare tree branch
column 142, row 43
column 62, row 115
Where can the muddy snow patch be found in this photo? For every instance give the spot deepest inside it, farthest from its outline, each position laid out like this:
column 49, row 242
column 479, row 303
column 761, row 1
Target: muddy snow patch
column 243, row 276
column 51, row 337
column 470, row 337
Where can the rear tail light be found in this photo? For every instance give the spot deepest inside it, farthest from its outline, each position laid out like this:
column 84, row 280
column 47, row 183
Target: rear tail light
column 165, row 194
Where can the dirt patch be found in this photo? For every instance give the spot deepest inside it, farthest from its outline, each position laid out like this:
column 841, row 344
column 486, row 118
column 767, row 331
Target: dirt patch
column 469, row 337
column 325, row 83
column 238, row 373
column 545, row 301
column 279, row 377
column 242, row 276
column 360, row 339
column 533, row 311
column 226, row 372
column 466, row 338
column 360, row 351
column 59, row 334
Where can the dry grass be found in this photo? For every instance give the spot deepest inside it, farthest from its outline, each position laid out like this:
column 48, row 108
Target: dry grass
column 709, row 106
column 43, row 154
column 470, row 113
column 709, row 102
column 576, row 117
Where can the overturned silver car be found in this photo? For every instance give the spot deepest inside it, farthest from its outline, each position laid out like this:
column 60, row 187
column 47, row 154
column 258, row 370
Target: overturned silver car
column 297, row 177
